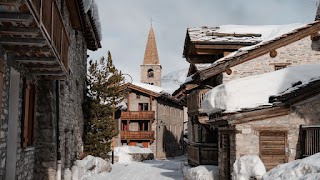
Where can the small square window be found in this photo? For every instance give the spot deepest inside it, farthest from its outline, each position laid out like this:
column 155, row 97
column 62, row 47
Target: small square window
column 278, row 67
column 138, row 96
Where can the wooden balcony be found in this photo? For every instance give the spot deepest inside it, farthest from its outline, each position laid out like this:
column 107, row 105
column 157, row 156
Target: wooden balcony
column 33, row 31
column 202, row 154
column 138, row 115
column 194, row 101
column 137, row 135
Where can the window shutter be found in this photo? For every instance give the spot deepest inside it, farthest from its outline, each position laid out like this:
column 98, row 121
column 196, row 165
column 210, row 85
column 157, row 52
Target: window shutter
column 26, row 102
column 1, row 84
column 29, row 111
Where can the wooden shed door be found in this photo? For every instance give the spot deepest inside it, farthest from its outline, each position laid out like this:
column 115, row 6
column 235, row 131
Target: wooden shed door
column 273, row 148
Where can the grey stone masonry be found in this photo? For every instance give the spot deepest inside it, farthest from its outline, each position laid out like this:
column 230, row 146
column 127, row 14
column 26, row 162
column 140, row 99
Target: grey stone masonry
column 300, row 52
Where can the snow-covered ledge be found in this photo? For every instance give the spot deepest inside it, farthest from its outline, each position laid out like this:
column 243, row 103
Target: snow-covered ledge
column 254, row 91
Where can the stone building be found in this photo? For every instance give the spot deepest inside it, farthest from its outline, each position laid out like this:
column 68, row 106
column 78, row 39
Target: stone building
column 215, row 59
column 152, row 119
column 43, row 57
column 151, row 68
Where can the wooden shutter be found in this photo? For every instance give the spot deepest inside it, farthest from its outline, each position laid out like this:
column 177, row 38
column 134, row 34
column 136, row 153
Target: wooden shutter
column 1, row 84
column 273, row 148
column 29, row 111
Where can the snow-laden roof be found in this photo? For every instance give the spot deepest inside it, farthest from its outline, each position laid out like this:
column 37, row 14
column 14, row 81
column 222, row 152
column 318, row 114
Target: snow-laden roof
column 202, row 66
column 149, row 87
column 172, row 81
column 91, row 5
column 218, row 34
column 254, row 91
column 306, row 168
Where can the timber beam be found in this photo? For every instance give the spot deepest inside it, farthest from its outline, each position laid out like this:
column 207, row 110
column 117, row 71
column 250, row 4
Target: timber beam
column 22, row 41
column 12, row 30
column 27, row 59
column 16, row 17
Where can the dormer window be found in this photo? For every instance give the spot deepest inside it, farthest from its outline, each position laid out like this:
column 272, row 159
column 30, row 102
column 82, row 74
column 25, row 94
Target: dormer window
column 150, row 73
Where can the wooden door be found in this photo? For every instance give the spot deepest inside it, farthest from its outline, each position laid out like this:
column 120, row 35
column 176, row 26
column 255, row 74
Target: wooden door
column 273, row 148
column 225, row 169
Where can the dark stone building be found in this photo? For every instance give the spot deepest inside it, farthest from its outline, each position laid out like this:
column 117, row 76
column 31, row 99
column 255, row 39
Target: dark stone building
column 43, row 59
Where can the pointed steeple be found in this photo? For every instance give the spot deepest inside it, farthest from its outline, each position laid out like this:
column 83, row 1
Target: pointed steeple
column 151, row 53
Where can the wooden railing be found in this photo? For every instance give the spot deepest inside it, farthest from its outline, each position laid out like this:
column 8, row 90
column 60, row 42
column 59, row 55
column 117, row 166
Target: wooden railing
column 137, row 135
column 202, row 154
column 50, row 19
column 138, row 115
column 194, row 101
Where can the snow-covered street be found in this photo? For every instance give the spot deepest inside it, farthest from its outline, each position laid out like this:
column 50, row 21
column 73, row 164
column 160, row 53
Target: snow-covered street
column 151, row 169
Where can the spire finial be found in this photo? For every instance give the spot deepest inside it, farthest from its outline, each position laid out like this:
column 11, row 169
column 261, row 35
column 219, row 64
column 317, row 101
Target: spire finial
column 151, row 20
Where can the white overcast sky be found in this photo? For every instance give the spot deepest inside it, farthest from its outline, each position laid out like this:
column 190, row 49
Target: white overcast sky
column 126, row 23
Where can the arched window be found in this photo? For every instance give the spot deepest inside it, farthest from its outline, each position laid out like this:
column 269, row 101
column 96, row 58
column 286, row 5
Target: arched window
column 150, row 73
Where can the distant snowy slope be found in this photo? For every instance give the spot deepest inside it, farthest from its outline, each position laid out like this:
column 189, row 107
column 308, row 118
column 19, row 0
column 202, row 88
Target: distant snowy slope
column 172, row 81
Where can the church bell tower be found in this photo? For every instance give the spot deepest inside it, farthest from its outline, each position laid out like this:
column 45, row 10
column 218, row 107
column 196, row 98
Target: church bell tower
column 151, row 67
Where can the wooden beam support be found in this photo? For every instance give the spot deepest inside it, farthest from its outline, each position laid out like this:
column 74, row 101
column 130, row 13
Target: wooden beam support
column 43, row 67
column 22, row 41
column 17, row 17
column 13, row 30
column 27, row 49
column 26, row 59
column 221, row 46
column 47, row 73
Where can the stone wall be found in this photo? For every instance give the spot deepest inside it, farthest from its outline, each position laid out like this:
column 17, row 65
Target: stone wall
column 40, row 160
column 300, row 52
column 303, row 113
column 170, row 129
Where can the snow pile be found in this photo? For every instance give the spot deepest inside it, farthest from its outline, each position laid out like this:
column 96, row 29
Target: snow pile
column 126, row 153
column 149, row 87
column 123, row 106
column 172, row 81
column 247, row 167
column 90, row 165
column 254, row 91
column 302, row 169
column 201, row 172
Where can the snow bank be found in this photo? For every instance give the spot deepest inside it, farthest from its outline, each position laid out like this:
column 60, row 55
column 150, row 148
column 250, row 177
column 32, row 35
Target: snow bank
column 254, row 91
column 200, row 173
column 85, row 168
column 149, row 87
column 247, row 167
column 128, row 154
column 302, row 169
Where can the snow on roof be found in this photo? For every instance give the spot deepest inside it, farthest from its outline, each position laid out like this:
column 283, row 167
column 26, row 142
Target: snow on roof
column 93, row 7
column 149, row 87
column 214, row 34
column 202, row 66
column 172, row 81
column 307, row 168
column 254, row 91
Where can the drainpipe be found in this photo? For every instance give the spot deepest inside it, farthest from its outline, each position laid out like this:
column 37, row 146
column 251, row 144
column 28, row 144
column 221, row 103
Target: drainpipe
column 57, row 131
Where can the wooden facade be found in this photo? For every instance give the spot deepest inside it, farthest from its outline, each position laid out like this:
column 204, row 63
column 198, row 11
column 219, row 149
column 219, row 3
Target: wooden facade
column 202, row 154
column 35, row 33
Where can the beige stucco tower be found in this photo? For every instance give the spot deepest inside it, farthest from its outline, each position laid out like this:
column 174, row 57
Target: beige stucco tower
column 151, row 68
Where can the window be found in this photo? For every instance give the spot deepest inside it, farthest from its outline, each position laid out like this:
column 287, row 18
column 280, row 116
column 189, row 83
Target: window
column 143, row 107
column 150, row 73
column 278, row 67
column 29, row 113
column 138, row 96
column 310, row 143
